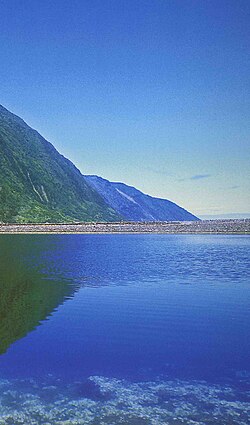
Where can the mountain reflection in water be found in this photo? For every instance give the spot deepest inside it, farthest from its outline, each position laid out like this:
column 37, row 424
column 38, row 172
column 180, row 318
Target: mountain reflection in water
column 27, row 295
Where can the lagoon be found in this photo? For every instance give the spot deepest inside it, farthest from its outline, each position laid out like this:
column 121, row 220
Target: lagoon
column 124, row 329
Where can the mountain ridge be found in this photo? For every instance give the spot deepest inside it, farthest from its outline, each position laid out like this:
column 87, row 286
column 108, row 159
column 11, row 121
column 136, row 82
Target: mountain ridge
column 135, row 205
column 38, row 183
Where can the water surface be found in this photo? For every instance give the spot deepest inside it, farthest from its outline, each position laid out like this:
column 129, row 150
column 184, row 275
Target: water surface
column 124, row 329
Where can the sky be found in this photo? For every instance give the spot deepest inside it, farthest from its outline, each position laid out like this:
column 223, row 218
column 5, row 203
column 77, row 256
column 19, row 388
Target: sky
column 153, row 93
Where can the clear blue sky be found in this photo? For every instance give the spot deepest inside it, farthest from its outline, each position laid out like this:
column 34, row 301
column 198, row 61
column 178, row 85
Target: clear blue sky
column 154, row 93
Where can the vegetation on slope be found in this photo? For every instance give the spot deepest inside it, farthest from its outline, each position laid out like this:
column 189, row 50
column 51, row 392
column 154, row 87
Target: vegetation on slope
column 37, row 184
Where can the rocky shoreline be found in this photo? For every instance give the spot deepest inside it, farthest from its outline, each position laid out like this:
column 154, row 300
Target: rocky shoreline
column 171, row 227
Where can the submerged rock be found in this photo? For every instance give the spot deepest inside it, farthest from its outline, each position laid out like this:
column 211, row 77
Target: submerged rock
column 92, row 390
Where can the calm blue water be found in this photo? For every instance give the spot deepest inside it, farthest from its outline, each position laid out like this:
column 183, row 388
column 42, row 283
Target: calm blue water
column 160, row 322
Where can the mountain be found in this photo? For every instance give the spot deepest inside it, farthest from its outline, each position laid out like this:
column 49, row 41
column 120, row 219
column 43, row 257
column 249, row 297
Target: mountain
column 134, row 205
column 37, row 184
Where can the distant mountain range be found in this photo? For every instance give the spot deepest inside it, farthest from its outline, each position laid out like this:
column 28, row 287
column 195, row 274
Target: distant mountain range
column 38, row 184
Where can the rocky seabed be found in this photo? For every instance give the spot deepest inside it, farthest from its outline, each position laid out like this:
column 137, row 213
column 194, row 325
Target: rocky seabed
column 109, row 401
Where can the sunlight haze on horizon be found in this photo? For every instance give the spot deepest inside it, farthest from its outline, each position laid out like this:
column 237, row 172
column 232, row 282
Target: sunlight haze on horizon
column 154, row 94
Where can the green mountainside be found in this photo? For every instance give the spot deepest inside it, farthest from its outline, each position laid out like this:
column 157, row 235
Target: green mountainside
column 37, row 184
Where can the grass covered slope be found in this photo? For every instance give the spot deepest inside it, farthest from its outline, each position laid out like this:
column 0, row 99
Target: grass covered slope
column 37, row 184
